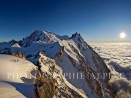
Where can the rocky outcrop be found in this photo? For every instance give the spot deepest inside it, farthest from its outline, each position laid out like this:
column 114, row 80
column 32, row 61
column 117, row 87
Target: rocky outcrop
column 18, row 54
column 50, row 82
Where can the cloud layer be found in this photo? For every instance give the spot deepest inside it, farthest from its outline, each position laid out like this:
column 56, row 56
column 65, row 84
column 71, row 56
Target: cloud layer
column 118, row 58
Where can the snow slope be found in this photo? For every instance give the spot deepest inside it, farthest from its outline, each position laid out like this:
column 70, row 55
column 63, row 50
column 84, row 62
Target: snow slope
column 16, row 45
column 15, row 80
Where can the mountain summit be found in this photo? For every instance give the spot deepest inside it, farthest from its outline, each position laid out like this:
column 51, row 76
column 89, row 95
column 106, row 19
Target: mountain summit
column 41, row 36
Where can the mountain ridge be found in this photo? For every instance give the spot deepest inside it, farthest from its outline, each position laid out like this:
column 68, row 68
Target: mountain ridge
column 72, row 54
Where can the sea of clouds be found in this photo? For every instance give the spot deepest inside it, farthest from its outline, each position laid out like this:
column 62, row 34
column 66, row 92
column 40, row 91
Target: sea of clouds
column 117, row 56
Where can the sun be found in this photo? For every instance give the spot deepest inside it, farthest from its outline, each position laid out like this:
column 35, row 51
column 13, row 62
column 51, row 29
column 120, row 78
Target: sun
column 122, row 35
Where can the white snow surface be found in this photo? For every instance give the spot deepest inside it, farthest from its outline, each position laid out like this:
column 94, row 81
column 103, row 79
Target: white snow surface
column 15, row 81
column 68, row 68
column 16, row 45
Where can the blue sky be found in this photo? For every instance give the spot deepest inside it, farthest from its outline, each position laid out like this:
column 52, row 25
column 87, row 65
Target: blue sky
column 98, row 20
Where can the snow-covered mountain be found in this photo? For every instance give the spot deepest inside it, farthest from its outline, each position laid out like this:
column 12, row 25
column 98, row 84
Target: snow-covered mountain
column 82, row 67
column 41, row 36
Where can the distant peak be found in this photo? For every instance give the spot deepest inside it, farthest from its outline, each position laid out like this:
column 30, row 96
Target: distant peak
column 37, row 32
column 76, row 35
column 12, row 41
